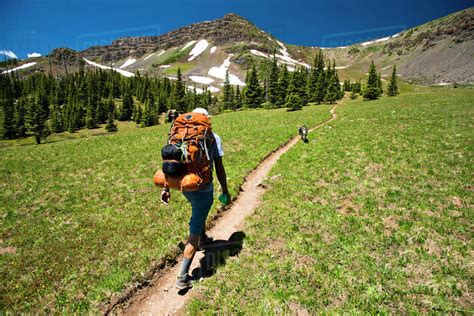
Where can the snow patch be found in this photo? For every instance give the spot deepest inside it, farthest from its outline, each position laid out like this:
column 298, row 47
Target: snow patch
column 443, row 84
column 213, row 49
column 219, row 72
column 259, row 53
column 33, row 55
column 384, row 68
column 285, row 56
column 171, row 78
column 214, row 89
column 148, row 56
column 8, row 53
column 367, row 43
column 187, row 45
column 198, row 49
column 342, row 67
column 20, row 67
column 200, row 79
column 291, row 69
column 128, row 62
column 382, row 39
column 165, row 66
column 120, row 71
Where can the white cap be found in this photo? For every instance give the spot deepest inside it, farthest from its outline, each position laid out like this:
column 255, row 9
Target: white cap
column 201, row 110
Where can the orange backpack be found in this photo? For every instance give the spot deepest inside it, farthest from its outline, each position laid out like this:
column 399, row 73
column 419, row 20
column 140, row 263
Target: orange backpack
column 186, row 163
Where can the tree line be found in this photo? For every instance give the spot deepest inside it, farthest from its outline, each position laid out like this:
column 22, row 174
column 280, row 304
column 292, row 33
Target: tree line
column 43, row 104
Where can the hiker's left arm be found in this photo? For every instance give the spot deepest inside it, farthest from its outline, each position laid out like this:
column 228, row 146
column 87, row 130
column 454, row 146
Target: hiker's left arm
column 221, row 176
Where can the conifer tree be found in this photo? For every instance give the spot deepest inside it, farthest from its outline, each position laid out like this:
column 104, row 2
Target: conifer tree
column 393, row 85
column 253, row 91
column 9, row 128
column 272, row 83
column 332, row 92
column 111, row 126
column 294, row 102
column 227, row 95
column 313, row 80
column 180, row 94
column 283, row 83
column 321, row 87
column 20, row 112
column 37, row 116
column 56, row 120
column 138, row 114
column 237, row 99
column 372, row 91
column 127, row 106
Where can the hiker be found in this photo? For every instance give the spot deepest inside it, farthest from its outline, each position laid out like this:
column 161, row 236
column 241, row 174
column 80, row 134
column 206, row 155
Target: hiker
column 172, row 115
column 303, row 131
column 201, row 202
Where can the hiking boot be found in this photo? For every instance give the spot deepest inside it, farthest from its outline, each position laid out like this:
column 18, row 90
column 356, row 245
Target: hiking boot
column 183, row 281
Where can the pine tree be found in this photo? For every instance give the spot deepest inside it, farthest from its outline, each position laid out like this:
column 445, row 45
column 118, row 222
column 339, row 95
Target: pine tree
column 294, row 102
column 332, row 92
column 148, row 118
column 283, row 83
column 20, row 112
column 340, row 92
column 227, row 95
column 393, row 85
column 138, row 115
column 372, row 91
column 111, row 126
column 237, row 99
column 180, row 94
column 127, row 107
column 313, row 80
column 253, row 91
column 9, row 127
column 321, row 87
column 56, row 120
column 272, row 83
column 36, row 117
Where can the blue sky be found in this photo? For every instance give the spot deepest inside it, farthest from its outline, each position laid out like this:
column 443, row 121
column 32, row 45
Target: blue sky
column 28, row 26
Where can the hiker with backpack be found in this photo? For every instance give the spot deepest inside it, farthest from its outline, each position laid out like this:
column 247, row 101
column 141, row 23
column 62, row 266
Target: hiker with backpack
column 188, row 160
column 303, row 131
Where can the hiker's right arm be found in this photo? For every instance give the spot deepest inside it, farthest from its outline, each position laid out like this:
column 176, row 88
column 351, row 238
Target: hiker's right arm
column 221, row 176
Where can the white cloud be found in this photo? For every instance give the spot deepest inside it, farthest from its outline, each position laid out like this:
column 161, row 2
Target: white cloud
column 8, row 53
column 33, row 55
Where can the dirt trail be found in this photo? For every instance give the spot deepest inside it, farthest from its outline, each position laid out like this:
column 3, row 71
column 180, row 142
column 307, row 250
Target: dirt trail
column 162, row 298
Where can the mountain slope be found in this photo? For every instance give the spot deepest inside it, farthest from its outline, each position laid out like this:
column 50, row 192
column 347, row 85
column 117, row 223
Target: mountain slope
column 437, row 52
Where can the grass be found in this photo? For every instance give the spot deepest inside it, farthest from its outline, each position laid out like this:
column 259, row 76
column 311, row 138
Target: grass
column 185, row 68
column 173, row 55
column 374, row 215
column 81, row 218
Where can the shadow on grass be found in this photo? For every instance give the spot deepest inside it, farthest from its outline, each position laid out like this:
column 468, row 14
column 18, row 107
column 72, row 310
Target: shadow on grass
column 216, row 253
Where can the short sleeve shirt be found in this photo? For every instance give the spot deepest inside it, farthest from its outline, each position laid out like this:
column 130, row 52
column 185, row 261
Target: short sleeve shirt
column 216, row 151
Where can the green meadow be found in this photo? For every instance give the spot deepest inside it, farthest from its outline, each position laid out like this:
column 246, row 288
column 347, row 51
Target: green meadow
column 81, row 219
column 373, row 215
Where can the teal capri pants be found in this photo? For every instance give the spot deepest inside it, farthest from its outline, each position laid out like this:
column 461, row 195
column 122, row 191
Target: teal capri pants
column 201, row 203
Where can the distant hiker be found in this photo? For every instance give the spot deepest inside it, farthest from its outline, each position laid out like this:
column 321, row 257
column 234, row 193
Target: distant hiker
column 303, row 131
column 206, row 150
column 172, row 115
